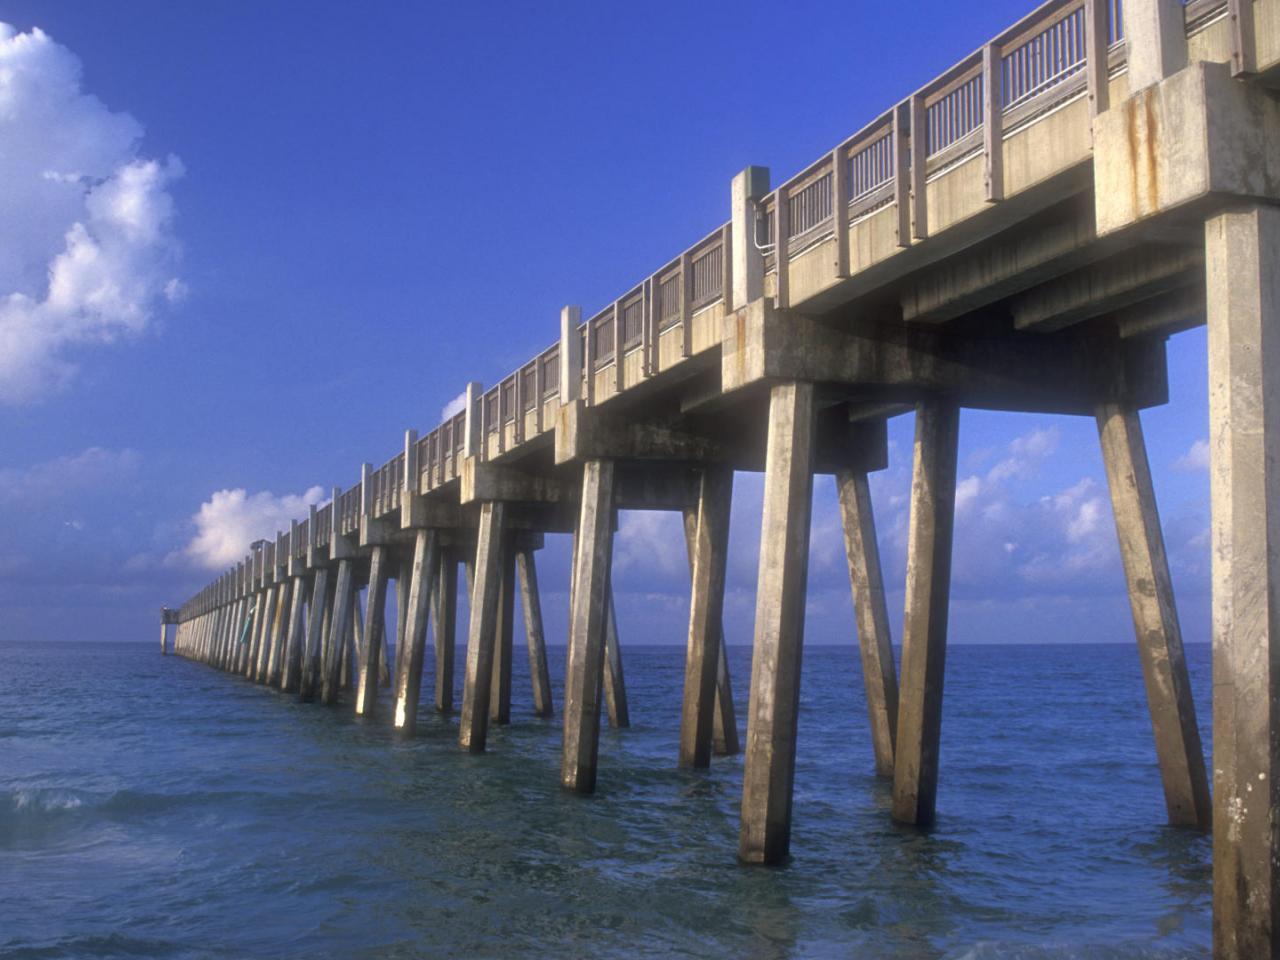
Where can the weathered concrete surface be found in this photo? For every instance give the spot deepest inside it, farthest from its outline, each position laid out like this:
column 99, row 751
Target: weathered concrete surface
column 292, row 660
column 539, row 673
column 1176, row 145
column 1155, row 617
column 312, row 662
column 874, row 643
column 724, row 729
column 1157, row 40
column 590, row 592
column 375, row 628
column 421, row 578
column 474, row 727
column 444, row 615
column 709, row 551
column 1242, row 253
column 924, row 627
column 340, row 627
column 773, row 709
column 500, row 683
column 614, row 680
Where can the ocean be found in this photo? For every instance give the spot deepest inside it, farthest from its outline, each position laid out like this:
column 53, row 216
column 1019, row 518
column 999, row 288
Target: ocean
column 155, row 807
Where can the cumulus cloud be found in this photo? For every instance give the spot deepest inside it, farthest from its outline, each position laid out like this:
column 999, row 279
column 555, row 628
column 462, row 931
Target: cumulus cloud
column 1196, row 458
column 230, row 520
column 454, row 406
column 88, row 253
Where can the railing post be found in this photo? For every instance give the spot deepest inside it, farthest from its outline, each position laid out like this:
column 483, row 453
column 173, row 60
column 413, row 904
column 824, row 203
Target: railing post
column 919, row 168
column 902, row 172
column 781, row 260
column 472, row 437
column 749, row 188
column 686, row 305
column 1156, row 40
column 840, row 208
column 570, row 354
column 1243, row 43
column 993, row 121
column 1097, row 39
column 617, row 347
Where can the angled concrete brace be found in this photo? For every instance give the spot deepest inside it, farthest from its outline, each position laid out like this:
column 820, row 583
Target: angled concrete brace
column 340, row 626
column 284, row 594
column 500, row 682
column 708, row 549
column 539, row 674
column 444, row 616
column 371, row 641
column 773, row 709
column 589, row 602
column 1155, row 617
column 874, row 644
column 924, row 634
column 421, row 578
column 321, row 599
column 291, row 667
column 490, row 544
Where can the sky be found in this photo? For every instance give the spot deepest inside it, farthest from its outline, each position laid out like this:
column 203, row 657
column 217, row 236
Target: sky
column 248, row 245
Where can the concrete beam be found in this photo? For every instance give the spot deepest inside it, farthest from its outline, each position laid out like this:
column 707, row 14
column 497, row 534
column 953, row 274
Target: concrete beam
column 489, row 482
column 1103, row 288
column 1183, row 147
column 585, row 433
column 1022, row 371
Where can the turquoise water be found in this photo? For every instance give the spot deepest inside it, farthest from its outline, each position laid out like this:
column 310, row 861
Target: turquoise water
column 154, row 807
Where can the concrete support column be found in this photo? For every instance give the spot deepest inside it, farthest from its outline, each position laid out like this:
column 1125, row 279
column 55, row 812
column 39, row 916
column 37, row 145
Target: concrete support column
column 1242, row 260
column 260, row 617
column 444, row 618
column 615, row 682
column 420, row 578
column 321, row 598
column 590, row 603
column 404, row 575
column 291, row 666
column 500, row 684
column 268, row 631
column 924, row 627
column 708, row 555
column 279, row 631
column 527, row 571
column 164, row 631
column 748, row 189
column 1155, row 618
column 485, row 591
column 375, row 628
column 340, row 625
column 874, row 644
column 1155, row 34
column 774, row 706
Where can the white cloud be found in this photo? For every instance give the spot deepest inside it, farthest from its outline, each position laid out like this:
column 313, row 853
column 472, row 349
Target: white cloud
column 88, row 251
column 454, row 406
column 230, row 520
column 1196, row 457
column 55, row 480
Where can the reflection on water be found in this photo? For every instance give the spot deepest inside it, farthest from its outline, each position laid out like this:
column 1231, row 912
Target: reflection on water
column 154, row 807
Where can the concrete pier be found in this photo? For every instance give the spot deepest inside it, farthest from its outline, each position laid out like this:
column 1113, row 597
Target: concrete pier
column 531, row 603
column 590, row 593
column 924, row 625
column 1242, row 250
column 482, row 634
column 1021, row 233
column 774, row 705
column 879, row 675
column 708, row 555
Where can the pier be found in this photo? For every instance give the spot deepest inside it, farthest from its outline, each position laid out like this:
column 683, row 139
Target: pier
column 1022, row 233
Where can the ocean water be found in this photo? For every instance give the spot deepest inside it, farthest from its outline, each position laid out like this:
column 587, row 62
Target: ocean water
column 154, row 807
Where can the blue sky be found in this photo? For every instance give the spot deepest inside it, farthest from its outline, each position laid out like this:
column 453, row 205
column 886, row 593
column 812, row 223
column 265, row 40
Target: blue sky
column 317, row 226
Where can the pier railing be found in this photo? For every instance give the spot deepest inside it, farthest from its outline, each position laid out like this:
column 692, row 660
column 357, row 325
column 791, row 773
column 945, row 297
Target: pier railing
column 1062, row 50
